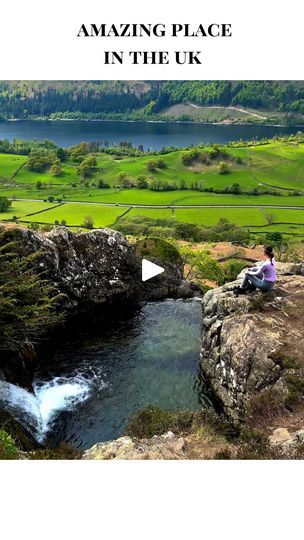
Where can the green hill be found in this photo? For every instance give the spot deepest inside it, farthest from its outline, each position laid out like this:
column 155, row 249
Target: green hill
column 205, row 101
column 257, row 185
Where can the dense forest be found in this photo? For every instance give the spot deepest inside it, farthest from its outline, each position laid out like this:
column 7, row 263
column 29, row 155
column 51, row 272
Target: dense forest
column 141, row 99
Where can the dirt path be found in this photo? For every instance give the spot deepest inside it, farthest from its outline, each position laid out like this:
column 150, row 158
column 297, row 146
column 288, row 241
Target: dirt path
column 238, row 109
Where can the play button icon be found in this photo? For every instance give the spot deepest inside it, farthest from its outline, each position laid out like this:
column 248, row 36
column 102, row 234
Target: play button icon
column 149, row 270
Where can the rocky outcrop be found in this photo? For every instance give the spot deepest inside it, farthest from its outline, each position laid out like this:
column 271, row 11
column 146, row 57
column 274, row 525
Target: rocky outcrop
column 167, row 446
column 94, row 269
column 200, row 444
column 246, row 339
column 98, row 267
column 18, row 367
column 23, row 439
column 288, row 443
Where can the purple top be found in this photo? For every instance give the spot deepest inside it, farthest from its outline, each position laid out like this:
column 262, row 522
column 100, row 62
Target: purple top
column 268, row 270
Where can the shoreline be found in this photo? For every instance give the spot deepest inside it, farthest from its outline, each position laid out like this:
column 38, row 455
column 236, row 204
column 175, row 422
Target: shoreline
column 222, row 124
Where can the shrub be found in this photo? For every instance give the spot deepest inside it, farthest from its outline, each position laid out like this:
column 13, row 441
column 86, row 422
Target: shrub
column 265, row 406
column 161, row 164
column 55, row 169
column 231, row 269
column 40, row 159
column 295, row 394
column 223, row 168
column 190, row 156
column 142, row 182
column 158, row 249
column 253, row 446
column 4, row 204
column 235, row 189
column 88, row 222
column 151, row 166
column 64, row 451
column 209, row 268
column 155, row 421
column 34, row 226
column 102, row 184
column 36, row 309
column 8, row 448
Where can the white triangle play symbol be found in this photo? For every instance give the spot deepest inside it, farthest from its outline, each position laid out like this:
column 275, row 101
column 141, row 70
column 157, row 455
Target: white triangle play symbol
column 149, row 270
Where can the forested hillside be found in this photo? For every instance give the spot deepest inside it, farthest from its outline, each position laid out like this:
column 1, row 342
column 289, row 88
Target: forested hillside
column 144, row 99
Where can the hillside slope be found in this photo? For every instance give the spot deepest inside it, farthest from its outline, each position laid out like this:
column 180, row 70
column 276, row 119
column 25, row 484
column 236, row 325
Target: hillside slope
column 279, row 101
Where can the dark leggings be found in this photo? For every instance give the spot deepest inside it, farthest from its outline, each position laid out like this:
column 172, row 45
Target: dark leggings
column 258, row 281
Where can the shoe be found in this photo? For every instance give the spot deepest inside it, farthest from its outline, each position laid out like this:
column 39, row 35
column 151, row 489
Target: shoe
column 251, row 288
column 239, row 290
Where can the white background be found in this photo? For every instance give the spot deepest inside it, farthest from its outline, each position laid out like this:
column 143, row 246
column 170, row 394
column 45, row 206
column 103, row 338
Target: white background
column 38, row 39
column 115, row 500
column 185, row 500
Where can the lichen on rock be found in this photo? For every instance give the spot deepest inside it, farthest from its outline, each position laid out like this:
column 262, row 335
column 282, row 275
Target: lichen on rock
column 243, row 339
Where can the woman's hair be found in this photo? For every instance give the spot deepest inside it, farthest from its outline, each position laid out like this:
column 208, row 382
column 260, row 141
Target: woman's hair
column 268, row 251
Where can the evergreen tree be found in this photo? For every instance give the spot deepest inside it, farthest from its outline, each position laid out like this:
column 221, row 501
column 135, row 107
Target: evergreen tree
column 28, row 302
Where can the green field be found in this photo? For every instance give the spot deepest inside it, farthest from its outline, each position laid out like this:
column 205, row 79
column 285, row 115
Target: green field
column 9, row 164
column 67, row 176
column 245, row 217
column 278, row 164
column 74, row 214
column 23, row 208
column 158, row 198
column 175, row 171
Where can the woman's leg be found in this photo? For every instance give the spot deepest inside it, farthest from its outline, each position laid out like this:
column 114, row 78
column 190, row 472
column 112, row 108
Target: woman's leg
column 245, row 281
column 260, row 283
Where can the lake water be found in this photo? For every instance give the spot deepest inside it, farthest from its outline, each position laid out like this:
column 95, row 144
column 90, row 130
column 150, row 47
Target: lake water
column 150, row 135
column 104, row 374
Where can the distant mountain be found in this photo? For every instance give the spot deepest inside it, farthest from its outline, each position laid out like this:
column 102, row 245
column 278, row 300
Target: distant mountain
column 148, row 99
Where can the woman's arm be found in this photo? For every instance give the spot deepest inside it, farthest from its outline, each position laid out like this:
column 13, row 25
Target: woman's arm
column 257, row 269
column 254, row 269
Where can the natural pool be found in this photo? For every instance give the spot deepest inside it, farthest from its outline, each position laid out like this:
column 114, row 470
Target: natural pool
column 101, row 376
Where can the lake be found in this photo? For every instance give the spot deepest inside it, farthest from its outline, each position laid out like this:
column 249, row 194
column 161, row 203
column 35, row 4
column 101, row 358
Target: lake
column 149, row 134
column 101, row 375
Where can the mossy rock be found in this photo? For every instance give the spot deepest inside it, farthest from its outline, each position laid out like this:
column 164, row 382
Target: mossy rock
column 9, row 234
column 156, row 248
column 8, row 447
column 23, row 439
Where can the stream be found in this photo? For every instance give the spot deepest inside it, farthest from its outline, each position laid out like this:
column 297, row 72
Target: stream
column 101, row 375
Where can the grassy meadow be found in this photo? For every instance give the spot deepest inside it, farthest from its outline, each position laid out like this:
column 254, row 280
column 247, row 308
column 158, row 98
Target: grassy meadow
column 277, row 166
column 9, row 164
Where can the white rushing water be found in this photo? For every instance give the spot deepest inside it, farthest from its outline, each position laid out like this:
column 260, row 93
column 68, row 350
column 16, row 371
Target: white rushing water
column 98, row 380
column 37, row 411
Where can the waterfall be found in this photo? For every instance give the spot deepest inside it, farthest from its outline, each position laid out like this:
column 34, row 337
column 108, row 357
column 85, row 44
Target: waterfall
column 37, row 411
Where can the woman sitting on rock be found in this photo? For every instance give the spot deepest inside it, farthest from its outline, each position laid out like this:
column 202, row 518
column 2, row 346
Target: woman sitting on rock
column 259, row 277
